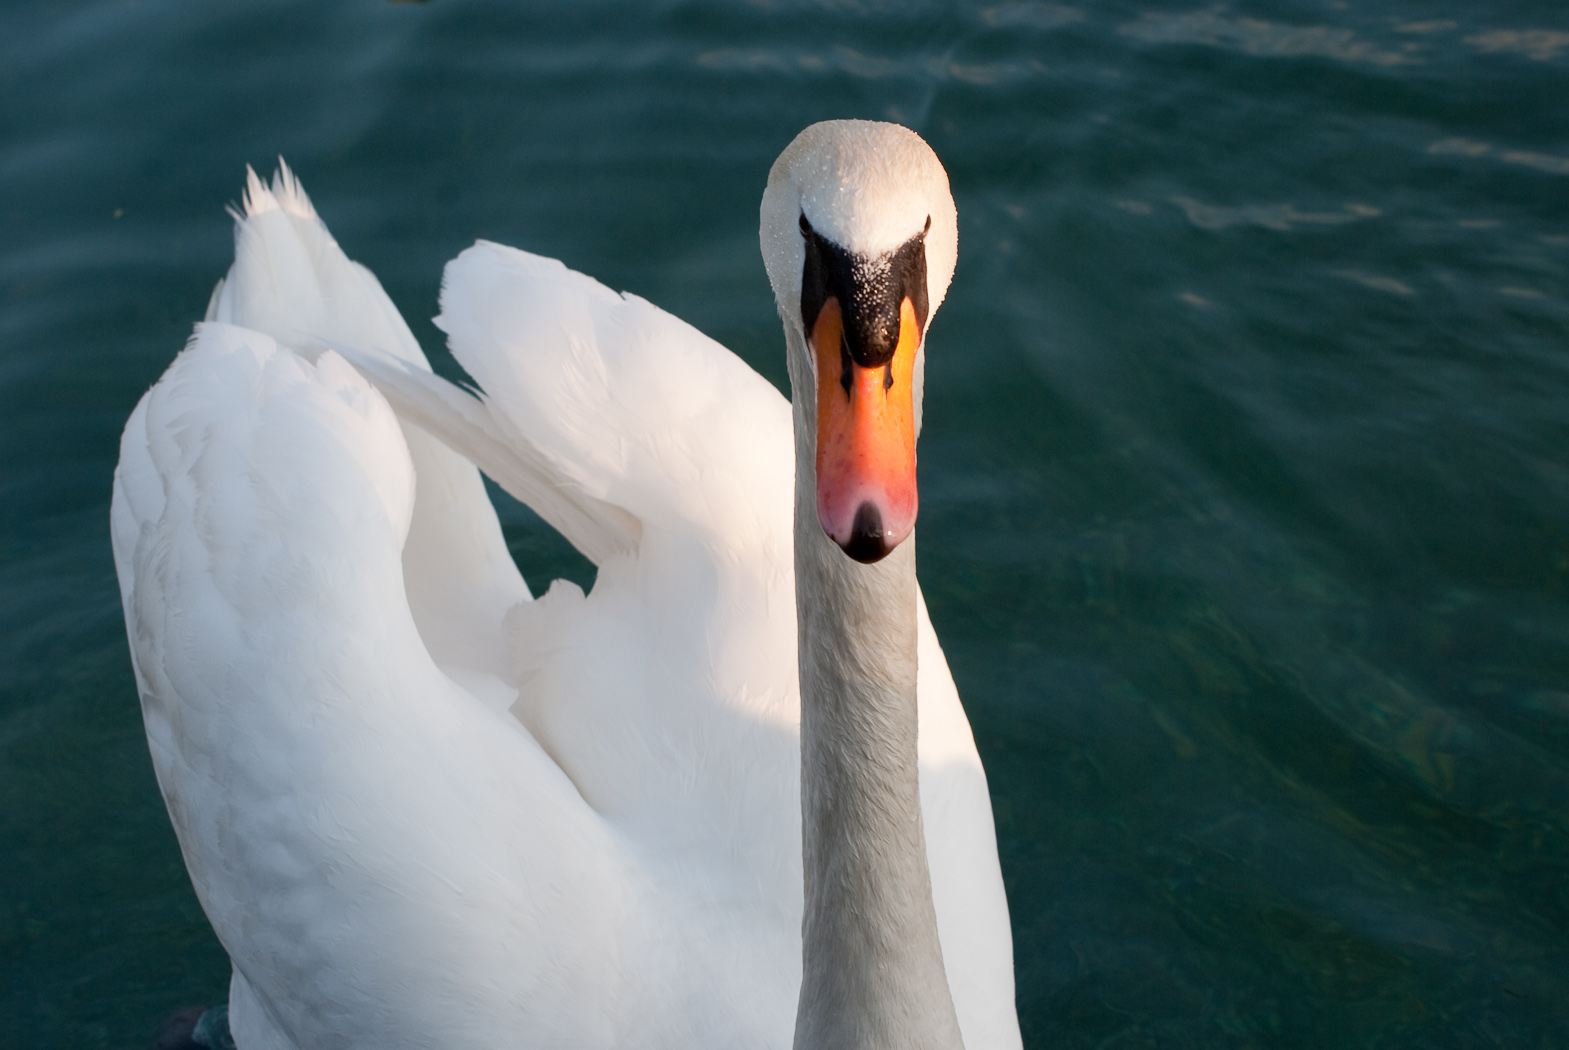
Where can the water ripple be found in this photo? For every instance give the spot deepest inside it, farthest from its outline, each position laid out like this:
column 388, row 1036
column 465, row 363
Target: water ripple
column 1462, row 147
column 1254, row 36
column 1281, row 217
column 1539, row 45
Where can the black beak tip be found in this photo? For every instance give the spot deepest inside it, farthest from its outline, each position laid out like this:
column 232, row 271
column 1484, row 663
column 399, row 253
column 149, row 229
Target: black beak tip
column 867, row 543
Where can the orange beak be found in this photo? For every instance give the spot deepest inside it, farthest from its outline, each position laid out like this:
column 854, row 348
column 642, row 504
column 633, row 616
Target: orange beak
column 866, row 492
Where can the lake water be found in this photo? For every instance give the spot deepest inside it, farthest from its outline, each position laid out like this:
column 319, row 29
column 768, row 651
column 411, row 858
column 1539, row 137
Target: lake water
column 1245, row 476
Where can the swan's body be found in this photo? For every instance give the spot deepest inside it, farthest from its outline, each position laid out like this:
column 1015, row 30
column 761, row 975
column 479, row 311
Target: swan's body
column 423, row 809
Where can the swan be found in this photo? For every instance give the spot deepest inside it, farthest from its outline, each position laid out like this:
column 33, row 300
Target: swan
column 728, row 797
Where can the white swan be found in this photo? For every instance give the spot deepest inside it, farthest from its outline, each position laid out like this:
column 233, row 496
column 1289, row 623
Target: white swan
column 424, row 810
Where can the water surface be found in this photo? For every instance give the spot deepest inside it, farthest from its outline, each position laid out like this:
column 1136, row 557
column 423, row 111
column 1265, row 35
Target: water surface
column 1245, row 502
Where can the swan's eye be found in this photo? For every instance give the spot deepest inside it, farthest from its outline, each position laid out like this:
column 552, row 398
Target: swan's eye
column 806, row 227
column 924, row 232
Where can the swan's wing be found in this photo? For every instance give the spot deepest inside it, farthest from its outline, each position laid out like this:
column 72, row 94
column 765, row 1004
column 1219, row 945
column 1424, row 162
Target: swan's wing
column 387, row 862
column 598, row 530
column 291, row 281
column 637, row 407
column 668, row 694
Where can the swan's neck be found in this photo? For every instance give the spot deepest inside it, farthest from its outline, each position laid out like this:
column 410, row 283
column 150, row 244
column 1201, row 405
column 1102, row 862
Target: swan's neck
column 872, row 966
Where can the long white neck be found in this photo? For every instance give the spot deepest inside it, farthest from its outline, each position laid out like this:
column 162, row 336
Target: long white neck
column 872, row 974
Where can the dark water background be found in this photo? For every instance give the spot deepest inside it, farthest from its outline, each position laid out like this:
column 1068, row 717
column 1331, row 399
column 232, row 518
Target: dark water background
column 1245, row 478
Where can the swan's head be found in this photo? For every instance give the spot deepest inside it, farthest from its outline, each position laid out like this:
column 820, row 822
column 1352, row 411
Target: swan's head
column 860, row 236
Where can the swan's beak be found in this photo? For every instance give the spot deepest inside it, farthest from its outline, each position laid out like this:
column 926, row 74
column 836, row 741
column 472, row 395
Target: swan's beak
column 866, row 494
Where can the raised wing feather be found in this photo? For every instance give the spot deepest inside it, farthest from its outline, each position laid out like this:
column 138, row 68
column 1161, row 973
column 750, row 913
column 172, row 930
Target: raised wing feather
column 291, row 281
column 637, row 407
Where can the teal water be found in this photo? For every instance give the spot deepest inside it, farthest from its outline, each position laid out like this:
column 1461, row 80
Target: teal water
column 1245, row 474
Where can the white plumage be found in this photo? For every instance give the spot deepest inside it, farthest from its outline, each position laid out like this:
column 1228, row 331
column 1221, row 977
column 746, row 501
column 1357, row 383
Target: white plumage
column 423, row 809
